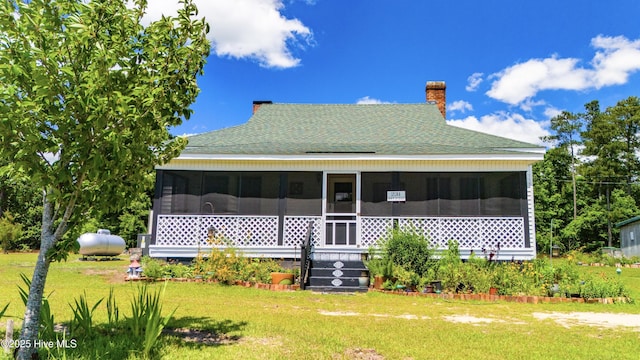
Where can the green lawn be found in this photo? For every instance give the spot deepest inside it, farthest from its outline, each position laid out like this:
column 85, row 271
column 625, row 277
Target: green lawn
column 247, row 323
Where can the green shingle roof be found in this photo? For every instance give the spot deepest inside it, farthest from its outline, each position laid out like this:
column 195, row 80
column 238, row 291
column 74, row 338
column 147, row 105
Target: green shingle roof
column 382, row 129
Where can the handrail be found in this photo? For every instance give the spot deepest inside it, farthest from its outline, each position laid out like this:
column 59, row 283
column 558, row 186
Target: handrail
column 305, row 257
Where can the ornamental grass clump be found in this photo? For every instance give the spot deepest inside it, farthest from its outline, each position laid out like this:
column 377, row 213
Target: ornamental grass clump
column 46, row 320
column 83, row 316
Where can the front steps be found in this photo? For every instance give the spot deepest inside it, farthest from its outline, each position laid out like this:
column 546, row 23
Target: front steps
column 337, row 276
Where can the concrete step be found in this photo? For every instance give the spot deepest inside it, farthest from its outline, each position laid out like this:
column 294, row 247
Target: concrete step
column 342, row 289
column 334, row 281
column 338, row 264
column 332, row 272
column 336, row 276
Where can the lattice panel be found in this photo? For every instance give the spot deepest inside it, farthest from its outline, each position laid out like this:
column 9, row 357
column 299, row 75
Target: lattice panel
column 262, row 231
column 509, row 232
column 470, row 232
column 295, row 229
column 178, row 229
column 237, row 231
column 373, row 229
column 466, row 231
column 429, row 227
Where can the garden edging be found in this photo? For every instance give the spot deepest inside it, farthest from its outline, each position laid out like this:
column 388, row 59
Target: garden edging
column 508, row 298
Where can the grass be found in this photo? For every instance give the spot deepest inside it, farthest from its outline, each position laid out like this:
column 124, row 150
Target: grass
column 246, row 323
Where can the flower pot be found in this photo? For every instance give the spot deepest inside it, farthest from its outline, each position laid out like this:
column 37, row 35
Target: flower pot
column 437, row 286
column 363, row 281
column 280, row 278
column 493, row 291
column 377, row 282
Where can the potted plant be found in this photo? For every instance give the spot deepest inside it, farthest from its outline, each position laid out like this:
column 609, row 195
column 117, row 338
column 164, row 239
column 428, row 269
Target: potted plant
column 283, row 277
column 363, row 279
column 380, row 269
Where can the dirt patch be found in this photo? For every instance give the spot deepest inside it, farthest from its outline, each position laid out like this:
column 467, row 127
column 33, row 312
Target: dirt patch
column 468, row 319
column 350, row 313
column 110, row 275
column 604, row 320
column 339, row 313
column 359, row 354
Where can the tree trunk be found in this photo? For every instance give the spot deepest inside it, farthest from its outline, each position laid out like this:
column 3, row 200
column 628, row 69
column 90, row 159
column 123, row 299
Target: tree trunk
column 30, row 326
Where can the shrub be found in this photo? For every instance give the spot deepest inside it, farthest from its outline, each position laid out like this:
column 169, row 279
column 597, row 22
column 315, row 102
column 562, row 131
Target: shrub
column 602, row 286
column 153, row 268
column 179, row 270
column 9, row 232
column 450, row 267
column 410, row 249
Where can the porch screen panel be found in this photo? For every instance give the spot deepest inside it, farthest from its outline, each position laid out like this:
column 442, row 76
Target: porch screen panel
column 504, row 194
column 461, row 194
column 181, row 192
column 258, row 193
column 421, row 199
column 304, row 193
column 374, row 194
column 220, row 193
column 240, row 193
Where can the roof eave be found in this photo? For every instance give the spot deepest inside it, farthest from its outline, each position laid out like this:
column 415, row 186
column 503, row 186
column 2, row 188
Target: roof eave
column 523, row 156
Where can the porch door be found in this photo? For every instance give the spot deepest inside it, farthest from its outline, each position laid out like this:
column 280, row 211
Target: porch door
column 340, row 210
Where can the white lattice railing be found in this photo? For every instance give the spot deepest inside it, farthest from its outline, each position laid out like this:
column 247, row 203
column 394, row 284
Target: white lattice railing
column 470, row 232
column 238, row 230
column 295, row 229
column 262, row 231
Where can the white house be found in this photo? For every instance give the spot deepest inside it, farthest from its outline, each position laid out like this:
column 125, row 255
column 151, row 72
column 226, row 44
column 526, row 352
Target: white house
column 352, row 170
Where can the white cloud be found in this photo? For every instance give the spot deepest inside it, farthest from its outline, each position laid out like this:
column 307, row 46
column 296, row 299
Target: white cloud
column 459, row 105
column 615, row 59
column 619, row 58
column 474, row 81
column 368, row 100
column 251, row 29
column 528, row 104
column 552, row 112
column 508, row 125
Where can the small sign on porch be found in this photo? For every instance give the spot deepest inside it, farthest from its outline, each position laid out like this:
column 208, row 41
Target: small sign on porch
column 396, row 196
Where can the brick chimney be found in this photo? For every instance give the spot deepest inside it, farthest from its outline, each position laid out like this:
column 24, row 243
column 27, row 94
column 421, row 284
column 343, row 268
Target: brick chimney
column 258, row 103
column 437, row 92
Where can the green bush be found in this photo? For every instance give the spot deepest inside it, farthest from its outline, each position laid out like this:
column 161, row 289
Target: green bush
column 179, row 270
column 410, row 249
column 602, row 286
column 450, row 267
column 9, row 232
column 153, row 268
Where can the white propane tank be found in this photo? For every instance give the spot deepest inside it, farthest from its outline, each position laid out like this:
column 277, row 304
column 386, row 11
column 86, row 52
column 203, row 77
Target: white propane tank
column 101, row 243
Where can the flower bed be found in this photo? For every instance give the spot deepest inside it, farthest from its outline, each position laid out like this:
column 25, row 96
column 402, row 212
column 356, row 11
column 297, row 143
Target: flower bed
column 479, row 274
column 510, row 298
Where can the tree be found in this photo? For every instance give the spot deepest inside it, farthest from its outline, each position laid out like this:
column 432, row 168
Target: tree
column 552, row 193
column 567, row 133
column 611, row 137
column 593, row 224
column 87, row 94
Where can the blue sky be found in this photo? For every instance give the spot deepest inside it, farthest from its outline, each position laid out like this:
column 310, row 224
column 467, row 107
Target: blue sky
column 509, row 66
